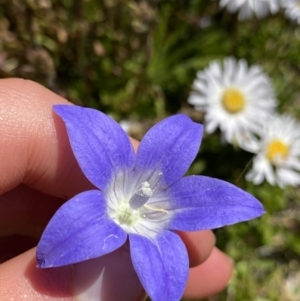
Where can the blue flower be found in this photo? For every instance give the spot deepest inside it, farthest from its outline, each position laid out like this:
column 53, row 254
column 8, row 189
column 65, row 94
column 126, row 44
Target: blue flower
column 142, row 196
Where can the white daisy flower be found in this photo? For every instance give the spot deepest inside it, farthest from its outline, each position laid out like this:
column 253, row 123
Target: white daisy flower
column 278, row 153
column 235, row 97
column 247, row 8
column 292, row 9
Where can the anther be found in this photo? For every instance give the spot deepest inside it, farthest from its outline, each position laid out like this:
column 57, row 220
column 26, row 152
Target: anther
column 141, row 196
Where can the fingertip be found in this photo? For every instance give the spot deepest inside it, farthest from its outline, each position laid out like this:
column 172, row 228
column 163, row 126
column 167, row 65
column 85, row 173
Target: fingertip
column 199, row 245
column 134, row 143
column 209, row 278
column 21, row 280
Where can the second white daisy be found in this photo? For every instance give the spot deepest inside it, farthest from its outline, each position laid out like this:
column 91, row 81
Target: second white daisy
column 236, row 98
column 248, row 8
column 278, row 153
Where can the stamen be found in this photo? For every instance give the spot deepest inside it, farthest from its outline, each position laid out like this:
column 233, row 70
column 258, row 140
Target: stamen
column 141, row 196
column 155, row 209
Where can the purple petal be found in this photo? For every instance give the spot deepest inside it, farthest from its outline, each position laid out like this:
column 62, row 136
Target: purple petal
column 78, row 231
column 201, row 203
column 98, row 142
column 162, row 266
column 170, row 147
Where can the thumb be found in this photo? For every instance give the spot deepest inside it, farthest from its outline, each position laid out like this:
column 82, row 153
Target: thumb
column 108, row 278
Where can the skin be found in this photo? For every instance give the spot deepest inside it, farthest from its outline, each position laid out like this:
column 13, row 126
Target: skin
column 38, row 174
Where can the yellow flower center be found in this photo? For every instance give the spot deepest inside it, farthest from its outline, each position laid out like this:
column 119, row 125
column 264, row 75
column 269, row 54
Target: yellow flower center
column 277, row 150
column 233, row 101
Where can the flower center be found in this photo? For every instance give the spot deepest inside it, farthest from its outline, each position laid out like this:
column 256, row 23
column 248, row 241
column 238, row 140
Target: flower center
column 138, row 207
column 129, row 212
column 277, row 150
column 233, row 101
column 126, row 215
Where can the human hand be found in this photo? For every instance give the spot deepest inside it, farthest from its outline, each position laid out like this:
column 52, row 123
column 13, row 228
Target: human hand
column 39, row 173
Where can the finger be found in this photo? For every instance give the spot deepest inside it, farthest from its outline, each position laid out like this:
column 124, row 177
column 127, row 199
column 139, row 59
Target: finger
column 23, row 218
column 37, row 150
column 23, row 213
column 199, row 245
column 100, row 279
column 210, row 277
column 17, row 279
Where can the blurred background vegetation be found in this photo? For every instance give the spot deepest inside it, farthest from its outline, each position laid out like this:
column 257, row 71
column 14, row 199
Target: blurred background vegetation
column 136, row 60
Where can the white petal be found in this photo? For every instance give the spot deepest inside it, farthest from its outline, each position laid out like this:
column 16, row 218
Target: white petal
column 287, row 177
column 248, row 8
column 261, row 170
column 197, row 100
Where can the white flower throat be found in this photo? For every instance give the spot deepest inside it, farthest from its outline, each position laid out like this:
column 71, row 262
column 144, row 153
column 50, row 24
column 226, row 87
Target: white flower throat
column 135, row 210
column 128, row 212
